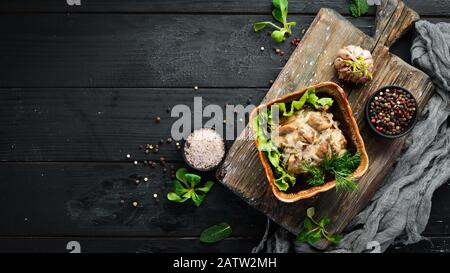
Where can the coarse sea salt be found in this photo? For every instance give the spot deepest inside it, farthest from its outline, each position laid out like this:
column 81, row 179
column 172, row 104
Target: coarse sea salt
column 204, row 149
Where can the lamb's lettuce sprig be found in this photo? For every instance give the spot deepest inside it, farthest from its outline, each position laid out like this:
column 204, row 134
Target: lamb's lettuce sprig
column 314, row 230
column 279, row 12
column 186, row 186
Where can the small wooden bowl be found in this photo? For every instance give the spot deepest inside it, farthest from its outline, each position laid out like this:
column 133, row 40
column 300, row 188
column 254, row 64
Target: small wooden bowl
column 344, row 114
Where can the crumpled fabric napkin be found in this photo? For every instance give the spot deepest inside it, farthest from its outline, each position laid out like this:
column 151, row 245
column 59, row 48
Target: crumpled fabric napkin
column 400, row 209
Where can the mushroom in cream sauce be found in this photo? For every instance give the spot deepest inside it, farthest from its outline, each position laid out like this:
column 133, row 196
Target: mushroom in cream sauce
column 308, row 137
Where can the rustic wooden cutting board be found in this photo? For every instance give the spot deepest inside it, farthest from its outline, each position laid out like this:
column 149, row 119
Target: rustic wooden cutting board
column 311, row 63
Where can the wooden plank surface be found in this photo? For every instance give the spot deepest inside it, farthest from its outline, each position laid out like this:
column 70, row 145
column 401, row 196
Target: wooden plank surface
column 178, row 6
column 171, row 245
column 431, row 245
column 35, row 128
column 60, row 50
column 312, row 63
column 79, row 199
column 125, row 245
column 430, row 7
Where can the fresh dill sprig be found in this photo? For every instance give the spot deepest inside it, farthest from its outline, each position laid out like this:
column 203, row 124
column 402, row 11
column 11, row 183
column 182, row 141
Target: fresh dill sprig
column 316, row 176
column 339, row 166
column 344, row 184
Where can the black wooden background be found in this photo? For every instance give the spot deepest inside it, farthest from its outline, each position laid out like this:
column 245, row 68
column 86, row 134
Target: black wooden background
column 80, row 87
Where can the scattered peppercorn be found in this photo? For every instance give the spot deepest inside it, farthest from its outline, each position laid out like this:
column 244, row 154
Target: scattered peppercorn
column 128, row 155
column 135, row 163
column 135, row 204
column 158, row 119
column 169, row 140
column 161, row 141
column 392, row 111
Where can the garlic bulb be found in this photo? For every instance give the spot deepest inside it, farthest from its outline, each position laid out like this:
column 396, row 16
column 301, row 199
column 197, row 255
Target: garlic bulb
column 354, row 64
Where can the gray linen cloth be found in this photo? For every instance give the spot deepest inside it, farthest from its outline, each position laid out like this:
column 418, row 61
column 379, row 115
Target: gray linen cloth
column 400, row 209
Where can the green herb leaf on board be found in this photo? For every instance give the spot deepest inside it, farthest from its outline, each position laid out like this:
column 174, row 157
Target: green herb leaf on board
column 187, row 186
column 279, row 13
column 313, row 230
column 216, row 233
column 358, row 7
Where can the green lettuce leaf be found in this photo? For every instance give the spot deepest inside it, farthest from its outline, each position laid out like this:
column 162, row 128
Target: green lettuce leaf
column 263, row 123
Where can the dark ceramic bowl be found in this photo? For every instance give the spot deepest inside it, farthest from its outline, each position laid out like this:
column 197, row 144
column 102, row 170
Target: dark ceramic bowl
column 410, row 125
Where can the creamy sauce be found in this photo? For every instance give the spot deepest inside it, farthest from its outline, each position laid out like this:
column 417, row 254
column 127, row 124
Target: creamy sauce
column 308, row 137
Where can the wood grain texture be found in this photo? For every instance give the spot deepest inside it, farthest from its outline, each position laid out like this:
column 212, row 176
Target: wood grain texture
column 430, row 7
column 431, row 245
column 439, row 222
column 172, row 245
column 122, row 50
column 312, row 63
column 125, row 245
column 392, row 21
column 174, row 6
column 83, row 199
column 99, row 124
column 80, row 199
